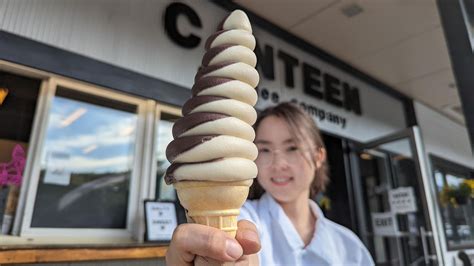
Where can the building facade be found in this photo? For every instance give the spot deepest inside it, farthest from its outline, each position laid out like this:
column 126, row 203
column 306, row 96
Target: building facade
column 92, row 89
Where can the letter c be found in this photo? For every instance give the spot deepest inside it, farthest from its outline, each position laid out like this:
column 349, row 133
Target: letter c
column 172, row 12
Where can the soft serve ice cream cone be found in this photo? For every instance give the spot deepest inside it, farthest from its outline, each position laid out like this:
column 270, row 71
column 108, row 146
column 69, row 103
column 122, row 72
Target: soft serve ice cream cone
column 212, row 153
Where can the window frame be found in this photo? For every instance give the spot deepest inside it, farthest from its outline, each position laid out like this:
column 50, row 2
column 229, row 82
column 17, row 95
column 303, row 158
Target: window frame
column 148, row 166
column 160, row 109
column 85, row 235
column 144, row 170
column 448, row 167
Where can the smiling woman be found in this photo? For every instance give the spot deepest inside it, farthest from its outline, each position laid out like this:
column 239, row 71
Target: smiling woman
column 292, row 169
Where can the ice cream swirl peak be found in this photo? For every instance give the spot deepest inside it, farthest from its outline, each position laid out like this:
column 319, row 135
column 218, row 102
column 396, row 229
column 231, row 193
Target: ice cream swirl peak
column 214, row 139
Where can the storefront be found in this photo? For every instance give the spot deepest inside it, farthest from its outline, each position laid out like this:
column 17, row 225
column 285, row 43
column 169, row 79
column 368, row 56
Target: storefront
column 91, row 92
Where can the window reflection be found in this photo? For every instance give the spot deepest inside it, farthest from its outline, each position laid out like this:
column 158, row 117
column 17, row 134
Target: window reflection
column 86, row 162
column 439, row 180
column 453, row 180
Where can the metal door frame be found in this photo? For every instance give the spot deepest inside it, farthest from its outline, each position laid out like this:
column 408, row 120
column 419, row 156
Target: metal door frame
column 423, row 175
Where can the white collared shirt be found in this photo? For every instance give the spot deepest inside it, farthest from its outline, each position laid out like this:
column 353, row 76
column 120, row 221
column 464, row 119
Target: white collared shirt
column 332, row 244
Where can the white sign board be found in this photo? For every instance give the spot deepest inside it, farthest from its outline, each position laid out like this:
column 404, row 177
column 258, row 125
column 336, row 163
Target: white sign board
column 161, row 220
column 402, row 200
column 384, row 224
column 56, row 169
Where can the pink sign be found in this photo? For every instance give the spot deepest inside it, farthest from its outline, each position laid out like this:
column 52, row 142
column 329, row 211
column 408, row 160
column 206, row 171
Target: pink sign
column 11, row 173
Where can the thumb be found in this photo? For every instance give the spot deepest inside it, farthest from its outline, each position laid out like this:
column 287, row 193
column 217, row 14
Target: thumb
column 190, row 240
column 247, row 236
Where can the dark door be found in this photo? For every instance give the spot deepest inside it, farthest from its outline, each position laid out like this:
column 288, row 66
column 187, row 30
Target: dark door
column 336, row 202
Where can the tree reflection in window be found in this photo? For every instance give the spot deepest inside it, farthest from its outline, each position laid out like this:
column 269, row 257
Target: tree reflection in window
column 455, row 187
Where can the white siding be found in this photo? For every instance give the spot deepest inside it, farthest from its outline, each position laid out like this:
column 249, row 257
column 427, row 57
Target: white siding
column 125, row 33
column 130, row 34
column 443, row 137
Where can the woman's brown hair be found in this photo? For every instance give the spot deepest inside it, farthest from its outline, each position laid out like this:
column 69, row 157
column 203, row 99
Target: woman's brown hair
column 303, row 128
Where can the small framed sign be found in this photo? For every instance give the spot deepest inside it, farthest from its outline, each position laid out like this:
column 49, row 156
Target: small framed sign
column 160, row 219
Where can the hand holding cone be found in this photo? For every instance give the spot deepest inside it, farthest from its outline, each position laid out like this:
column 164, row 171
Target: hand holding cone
column 212, row 153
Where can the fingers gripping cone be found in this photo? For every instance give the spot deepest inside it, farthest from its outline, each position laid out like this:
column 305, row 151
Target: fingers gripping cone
column 215, row 204
column 212, row 154
column 200, row 199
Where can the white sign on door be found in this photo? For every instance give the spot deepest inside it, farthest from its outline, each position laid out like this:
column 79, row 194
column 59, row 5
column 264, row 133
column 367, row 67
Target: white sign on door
column 402, row 200
column 384, row 224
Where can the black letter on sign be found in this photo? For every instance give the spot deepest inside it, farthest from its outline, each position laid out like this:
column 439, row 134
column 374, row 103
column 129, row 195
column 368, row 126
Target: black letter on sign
column 311, row 82
column 290, row 62
column 351, row 99
column 171, row 24
column 332, row 91
column 265, row 61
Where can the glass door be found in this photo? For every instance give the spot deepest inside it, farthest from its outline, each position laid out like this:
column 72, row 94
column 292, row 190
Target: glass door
column 391, row 188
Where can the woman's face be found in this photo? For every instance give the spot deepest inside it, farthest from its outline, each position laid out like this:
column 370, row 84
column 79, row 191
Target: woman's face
column 283, row 170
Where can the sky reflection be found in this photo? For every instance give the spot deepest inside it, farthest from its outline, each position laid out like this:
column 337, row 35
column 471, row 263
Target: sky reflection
column 99, row 139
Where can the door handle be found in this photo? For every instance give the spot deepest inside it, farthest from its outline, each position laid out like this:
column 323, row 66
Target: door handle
column 424, row 243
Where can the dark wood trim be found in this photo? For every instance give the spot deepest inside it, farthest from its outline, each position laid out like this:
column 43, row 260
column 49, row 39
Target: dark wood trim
column 41, row 255
column 23, row 51
column 462, row 57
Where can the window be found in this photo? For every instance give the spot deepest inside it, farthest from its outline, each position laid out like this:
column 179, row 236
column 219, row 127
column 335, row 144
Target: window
column 163, row 138
column 167, row 117
column 91, row 157
column 455, row 189
column 87, row 173
column 86, row 162
column 18, row 96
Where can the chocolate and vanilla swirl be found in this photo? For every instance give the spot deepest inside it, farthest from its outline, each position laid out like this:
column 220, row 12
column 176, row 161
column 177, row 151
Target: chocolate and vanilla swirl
column 214, row 139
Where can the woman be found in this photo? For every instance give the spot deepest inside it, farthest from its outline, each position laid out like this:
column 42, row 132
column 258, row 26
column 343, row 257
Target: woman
column 291, row 227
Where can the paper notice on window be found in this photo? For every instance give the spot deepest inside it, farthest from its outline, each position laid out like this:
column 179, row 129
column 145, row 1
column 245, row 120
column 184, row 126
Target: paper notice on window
column 384, row 224
column 57, row 172
column 402, row 200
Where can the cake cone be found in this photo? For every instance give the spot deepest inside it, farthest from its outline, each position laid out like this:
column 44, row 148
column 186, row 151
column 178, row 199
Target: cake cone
column 215, row 204
column 212, row 155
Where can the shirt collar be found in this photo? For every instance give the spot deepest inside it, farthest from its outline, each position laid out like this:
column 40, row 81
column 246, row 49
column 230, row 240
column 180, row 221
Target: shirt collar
column 281, row 220
column 321, row 235
column 282, row 223
column 316, row 210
